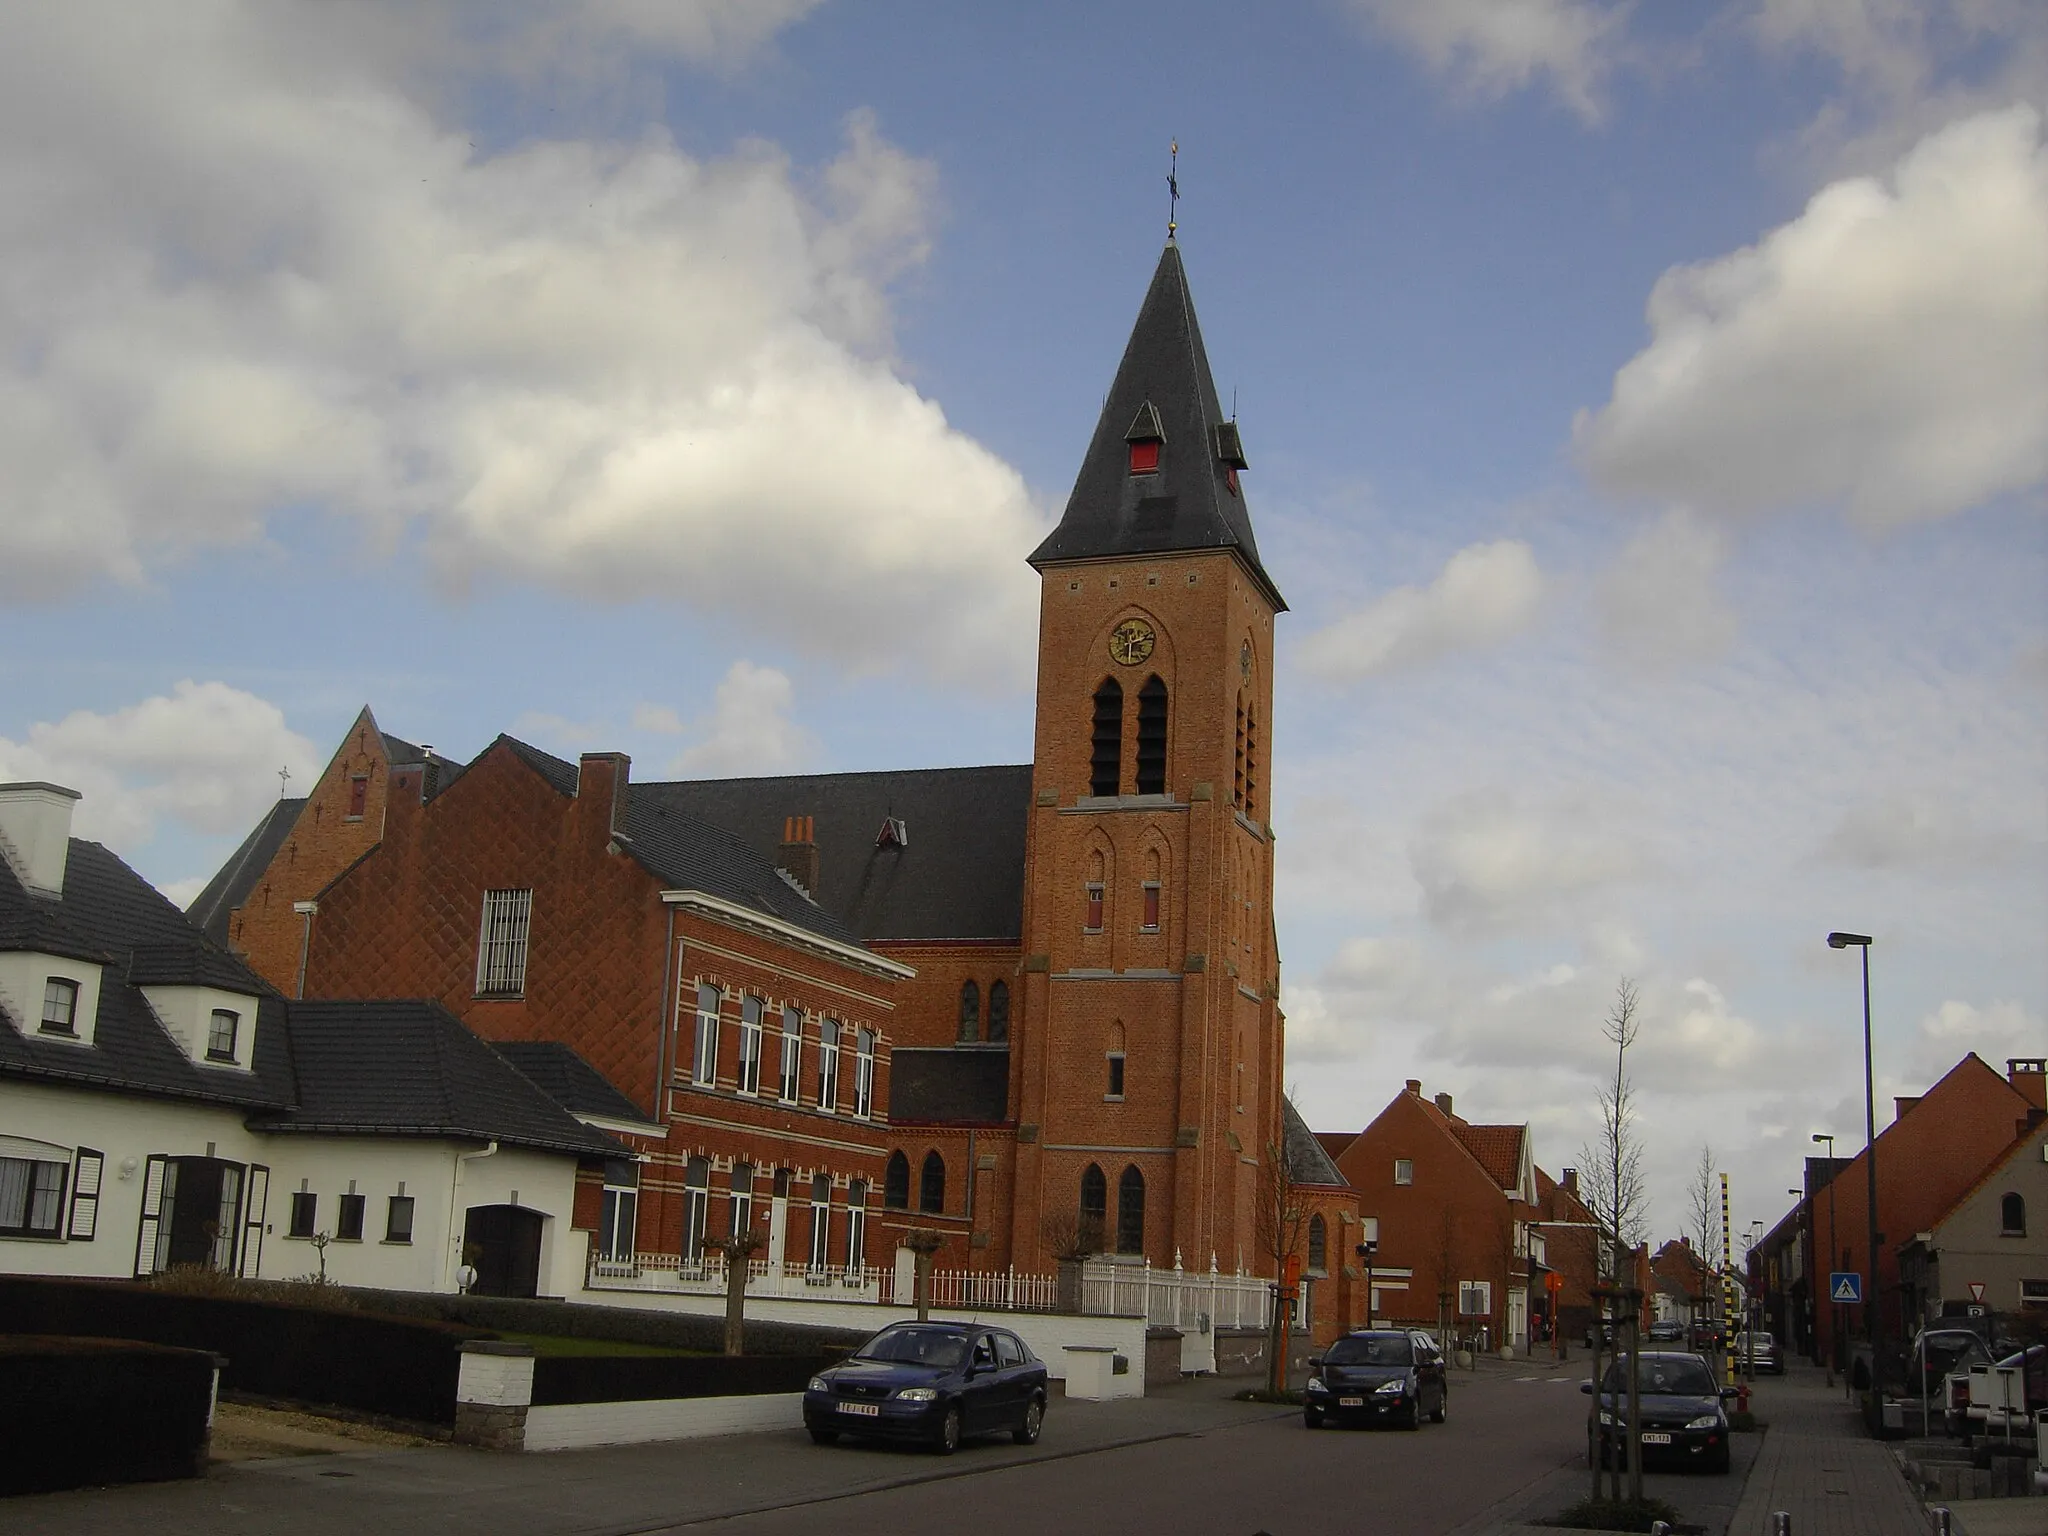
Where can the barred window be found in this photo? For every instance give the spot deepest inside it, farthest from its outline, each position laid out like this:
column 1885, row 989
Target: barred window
column 60, row 1006
column 501, row 950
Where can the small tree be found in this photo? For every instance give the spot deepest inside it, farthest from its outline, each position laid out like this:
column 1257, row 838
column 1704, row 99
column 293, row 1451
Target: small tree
column 1280, row 1224
column 739, row 1248
column 1702, row 1228
column 1613, row 1192
column 1446, row 1278
column 923, row 1244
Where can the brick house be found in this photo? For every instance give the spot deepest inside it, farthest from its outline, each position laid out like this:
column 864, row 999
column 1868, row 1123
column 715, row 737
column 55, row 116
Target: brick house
column 1059, row 979
column 1990, row 1247
column 1451, row 1205
column 1570, row 1250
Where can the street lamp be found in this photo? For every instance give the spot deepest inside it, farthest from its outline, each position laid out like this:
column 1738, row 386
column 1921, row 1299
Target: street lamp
column 1873, row 1312
column 1367, row 1252
column 1834, row 1258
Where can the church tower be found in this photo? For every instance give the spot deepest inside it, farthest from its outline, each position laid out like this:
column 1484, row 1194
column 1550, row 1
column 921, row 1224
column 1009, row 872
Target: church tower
column 1149, row 1044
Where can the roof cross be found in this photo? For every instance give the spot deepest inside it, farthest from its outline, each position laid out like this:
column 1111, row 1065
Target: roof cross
column 1172, row 187
column 283, row 777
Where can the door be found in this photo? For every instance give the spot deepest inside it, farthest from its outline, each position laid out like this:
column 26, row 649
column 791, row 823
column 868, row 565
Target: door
column 191, row 1214
column 1016, row 1379
column 503, row 1242
column 982, row 1399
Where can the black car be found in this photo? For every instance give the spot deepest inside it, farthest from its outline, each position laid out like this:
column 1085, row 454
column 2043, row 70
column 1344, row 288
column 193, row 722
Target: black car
column 931, row 1382
column 1378, row 1375
column 1683, row 1420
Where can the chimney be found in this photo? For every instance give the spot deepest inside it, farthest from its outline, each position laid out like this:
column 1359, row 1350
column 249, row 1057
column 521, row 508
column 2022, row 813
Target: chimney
column 1415, row 1086
column 1902, row 1103
column 1443, row 1102
column 602, row 777
column 2029, row 1074
column 1570, row 1182
column 35, row 833
column 798, row 856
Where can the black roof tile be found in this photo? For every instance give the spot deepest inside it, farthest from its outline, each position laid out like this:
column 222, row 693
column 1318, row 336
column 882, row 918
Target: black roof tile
column 946, row 1086
column 1307, row 1162
column 557, row 1071
column 230, row 887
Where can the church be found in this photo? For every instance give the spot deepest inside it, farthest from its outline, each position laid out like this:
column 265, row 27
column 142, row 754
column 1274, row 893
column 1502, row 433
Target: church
column 1031, row 1008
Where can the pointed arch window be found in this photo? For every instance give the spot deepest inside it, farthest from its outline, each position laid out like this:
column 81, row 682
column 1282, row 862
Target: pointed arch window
column 1152, row 737
column 896, row 1183
column 1094, row 1203
column 1318, row 1245
column 931, row 1184
column 1251, row 762
column 1130, row 1211
column 1093, row 893
column 1148, row 920
column 1237, row 760
column 970, row 1010
column 998, row 1010
column 1106, row 760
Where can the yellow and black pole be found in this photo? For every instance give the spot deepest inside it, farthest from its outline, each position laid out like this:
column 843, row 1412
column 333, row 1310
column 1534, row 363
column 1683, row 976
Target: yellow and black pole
column 1724, row 1339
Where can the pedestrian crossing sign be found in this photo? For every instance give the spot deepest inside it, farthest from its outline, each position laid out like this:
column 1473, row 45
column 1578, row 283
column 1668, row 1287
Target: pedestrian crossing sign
column 1845, row 1285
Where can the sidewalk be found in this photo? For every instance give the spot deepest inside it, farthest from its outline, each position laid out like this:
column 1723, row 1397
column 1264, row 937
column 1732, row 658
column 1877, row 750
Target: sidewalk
column 1821, row 1466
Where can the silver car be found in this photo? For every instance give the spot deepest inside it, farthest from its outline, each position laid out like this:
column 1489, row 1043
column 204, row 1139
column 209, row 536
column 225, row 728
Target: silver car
column 1757, row 1353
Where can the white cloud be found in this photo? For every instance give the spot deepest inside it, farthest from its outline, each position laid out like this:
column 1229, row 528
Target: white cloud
column 749, row 730
column 1882, row 350
column 556, row 731
column 1919, row 831
column 1494, row 47
column 241, row 273
column 1484, row 594
column 1995, row 1031
column 1490, row 857
column 1660, row 601
column 657, row 720
column 206, row 755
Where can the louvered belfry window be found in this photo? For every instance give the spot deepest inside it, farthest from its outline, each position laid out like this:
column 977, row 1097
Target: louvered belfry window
column 1105, row 763
column 1152, row 737
column 501, row 949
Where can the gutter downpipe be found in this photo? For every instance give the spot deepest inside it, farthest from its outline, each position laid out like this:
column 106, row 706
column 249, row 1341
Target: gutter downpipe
column 664, row 1045
column 455, row 1182
column 306, row 910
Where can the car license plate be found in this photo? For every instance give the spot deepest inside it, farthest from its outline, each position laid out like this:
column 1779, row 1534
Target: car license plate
column 1350, row 1402
column 1656, row 1439
column 874, row 1410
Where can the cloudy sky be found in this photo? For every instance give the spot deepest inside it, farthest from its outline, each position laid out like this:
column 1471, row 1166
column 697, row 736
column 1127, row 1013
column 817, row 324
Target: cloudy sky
column 1647, row 405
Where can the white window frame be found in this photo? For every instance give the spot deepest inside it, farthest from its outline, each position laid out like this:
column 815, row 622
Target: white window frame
column 742, row 1202
column 829, row 1031
column 502, row 941
column 696, row 1211
column 63, row 991
column 1117, row 1079
column 704, row 1066
column 821, row 1222
column 856, row 1228
column 792, row 1053
column 618, row 1223
column 863, row 1073
column 1404, row 1170
column 752, row 1010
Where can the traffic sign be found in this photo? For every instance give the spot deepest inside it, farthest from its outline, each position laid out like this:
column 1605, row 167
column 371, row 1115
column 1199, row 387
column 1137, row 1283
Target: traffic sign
column 1976, row 1290
column 1845, row 1285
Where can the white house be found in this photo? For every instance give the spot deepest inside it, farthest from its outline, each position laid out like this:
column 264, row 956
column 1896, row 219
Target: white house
column 161, row 1105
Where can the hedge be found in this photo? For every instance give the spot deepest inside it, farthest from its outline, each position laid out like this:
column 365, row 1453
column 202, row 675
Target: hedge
column 78, row 1413
column 559, row 1379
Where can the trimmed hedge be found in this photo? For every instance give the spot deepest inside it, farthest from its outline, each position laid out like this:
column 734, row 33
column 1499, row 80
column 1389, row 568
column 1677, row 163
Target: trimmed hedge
column 638, row 1325
column 78, row 1413
column 399, row 1367
column 559, row 1379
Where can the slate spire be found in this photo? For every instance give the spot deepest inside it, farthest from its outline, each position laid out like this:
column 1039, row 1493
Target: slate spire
column 1192, row 500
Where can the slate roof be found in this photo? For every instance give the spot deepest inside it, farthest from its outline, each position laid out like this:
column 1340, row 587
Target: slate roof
column 1307, row 1161
column 959, row 874
column 557, row 1071
column 1189, row 503
column 411, row 1068
column 940, row 1085
column 138, row 936
column 232, row 883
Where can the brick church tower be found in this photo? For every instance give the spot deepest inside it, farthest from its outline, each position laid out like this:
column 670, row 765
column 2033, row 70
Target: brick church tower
column 1148, row 1045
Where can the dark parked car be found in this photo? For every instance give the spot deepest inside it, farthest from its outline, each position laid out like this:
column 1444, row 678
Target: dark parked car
column 932, row 1382
column 1668, row 1331
column 1683, row 1420
column 1378, row 1375
column 1757, row 1353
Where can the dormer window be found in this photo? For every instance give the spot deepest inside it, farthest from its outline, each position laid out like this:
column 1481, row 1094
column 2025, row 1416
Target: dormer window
column 60, row 1006
column 1145, row 437
column 221, row 1031
column 1230, row 452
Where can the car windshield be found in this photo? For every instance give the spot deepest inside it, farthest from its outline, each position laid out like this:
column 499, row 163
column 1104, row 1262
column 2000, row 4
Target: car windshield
column 1386, row 1349
column 1666, row 1375
column 916, row 1346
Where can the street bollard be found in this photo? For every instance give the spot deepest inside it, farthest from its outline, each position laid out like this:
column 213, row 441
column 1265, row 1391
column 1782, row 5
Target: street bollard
column 1781, row 1523
column 1941, row 1518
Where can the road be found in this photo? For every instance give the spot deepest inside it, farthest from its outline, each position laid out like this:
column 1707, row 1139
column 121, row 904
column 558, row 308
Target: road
column 1185, row 1460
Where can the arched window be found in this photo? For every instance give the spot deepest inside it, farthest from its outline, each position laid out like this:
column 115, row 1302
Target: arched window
column 1237, row 760
column 1152, row 737
column 1149, row 895
column 2012, row 1217
column 931, row 1184
column 999, row 1010
column 1318, row 1244
column 1251, row 762
column 896, row 1183
column 1094, row 894
column 1094, row 1203
column 1130, row 1211
column 696, row 1199
column 970, row 1010
column 1106, row 761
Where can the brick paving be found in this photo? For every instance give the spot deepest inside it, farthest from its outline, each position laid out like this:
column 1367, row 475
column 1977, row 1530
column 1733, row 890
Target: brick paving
column 1820, row 1465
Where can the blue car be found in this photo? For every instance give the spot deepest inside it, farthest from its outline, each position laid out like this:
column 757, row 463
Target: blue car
column 931, row 1383
column 1681, row 1403
column 1378, row 1375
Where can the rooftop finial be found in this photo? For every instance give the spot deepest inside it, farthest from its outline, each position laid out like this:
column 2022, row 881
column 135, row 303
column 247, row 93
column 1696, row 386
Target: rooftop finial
column 284, row 776
column 1172, row 187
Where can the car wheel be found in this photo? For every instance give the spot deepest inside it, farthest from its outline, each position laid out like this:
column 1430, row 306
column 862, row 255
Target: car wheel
column 824, row 1436
column 1412, row 1419
column 1026, row 1432
column 1310, row 1419
column 1443, row 1408
column 949, row 1432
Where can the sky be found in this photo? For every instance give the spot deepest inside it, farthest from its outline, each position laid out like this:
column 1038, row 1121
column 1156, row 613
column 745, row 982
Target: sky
column 1647, row 408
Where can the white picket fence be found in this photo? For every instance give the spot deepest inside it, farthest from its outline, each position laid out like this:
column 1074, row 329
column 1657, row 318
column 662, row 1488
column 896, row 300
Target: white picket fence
column 990, row 1290
column 1175, row 1297
column 668, row 1274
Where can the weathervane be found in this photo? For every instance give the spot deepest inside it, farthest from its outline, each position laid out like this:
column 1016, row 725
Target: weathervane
column 1172, row 187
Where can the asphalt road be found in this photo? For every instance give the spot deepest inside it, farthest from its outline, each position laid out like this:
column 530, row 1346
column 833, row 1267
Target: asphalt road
column 1185, row 1461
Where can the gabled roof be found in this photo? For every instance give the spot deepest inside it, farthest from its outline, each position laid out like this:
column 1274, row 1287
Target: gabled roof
column 958, row 873
column 1189, row 503
column 2025, row 1141
column 1334, row 1142
column 557, row 1071
column 1307, row 1161
column 1497, row 1147
column 411, row 1068
column 232, row 883
column 940, row 1085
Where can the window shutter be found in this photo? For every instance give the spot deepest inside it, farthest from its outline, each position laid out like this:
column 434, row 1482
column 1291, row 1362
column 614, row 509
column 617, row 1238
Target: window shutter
column 252, row 1221
column 152, row 1214
column 85, row 1195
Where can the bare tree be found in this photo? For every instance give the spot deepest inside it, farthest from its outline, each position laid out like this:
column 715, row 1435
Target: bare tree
column 1446, row 1280
column 1613, row 1192
column 1703, row 1226
column 1280, row 1221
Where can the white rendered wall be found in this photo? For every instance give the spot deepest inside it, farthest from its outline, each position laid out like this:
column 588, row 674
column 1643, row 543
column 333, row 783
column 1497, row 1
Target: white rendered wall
column 689, row 1418
column 22, row 977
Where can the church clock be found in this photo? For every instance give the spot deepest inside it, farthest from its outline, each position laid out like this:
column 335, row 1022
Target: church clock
column 1131, row 642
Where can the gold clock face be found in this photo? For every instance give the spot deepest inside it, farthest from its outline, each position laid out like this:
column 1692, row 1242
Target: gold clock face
column 1131, row 642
